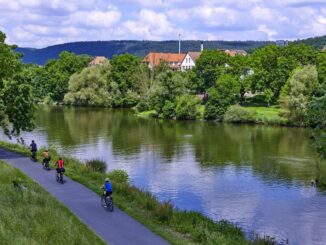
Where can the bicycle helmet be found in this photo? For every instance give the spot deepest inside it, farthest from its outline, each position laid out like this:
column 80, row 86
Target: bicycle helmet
column 107, row 180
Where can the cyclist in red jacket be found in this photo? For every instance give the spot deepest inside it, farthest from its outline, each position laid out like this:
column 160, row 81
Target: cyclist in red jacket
column 60, row 166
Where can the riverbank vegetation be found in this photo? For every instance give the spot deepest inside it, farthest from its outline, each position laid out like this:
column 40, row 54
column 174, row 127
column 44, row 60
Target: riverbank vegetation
column 30, row 215
column 176, row 226
column 288, row 77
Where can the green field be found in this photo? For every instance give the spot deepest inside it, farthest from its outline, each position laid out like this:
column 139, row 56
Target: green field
column 30, row 215
column 269, row 115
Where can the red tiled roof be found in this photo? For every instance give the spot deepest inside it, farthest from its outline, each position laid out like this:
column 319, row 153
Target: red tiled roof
column 154, row 59
column 194, row 55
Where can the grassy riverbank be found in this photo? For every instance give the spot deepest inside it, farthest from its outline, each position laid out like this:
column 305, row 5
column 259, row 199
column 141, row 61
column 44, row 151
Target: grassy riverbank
column 30, row 215
column 178, row 227
column 256, row 115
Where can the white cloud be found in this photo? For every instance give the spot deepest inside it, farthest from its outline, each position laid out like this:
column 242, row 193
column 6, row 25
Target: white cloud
column 42, row 23
column 95, row 19
column 269, row 32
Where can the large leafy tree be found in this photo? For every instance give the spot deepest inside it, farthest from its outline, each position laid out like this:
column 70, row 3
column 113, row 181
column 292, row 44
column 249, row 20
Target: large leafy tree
column 129, row 80
column 273, row 66
column 16, row 100
column 209, row 66
column 166, row 88
column 89, row 87
column 240, row 68
column 55, row 76
column 298, row 92
column 221, row 96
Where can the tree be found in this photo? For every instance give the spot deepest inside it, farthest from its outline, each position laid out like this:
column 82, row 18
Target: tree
column 56, row 74
column 298, row 91
column 321, row 67
column 129, row 78
column 317, row 119
column 241, row 69
column 221, row 96
column 209, row 65
column 186, row 107
column 16, row 101
column 166, row 87
column 89, row 87
column 273, row 65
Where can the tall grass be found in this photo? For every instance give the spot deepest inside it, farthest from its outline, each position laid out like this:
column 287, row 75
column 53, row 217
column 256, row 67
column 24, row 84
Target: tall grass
column 96, row 165
column 30, row 215
column 176, row 226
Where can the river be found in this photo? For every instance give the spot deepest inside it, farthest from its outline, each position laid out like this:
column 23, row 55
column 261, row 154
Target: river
column 253, row 175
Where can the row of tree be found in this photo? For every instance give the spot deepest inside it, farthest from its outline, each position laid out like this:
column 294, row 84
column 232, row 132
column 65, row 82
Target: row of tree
column 290, row 76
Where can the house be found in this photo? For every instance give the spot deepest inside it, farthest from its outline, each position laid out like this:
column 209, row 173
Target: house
column 173, row 60
column 234, row 52
column 282, row 43
column 189, row 61
column 98, row 60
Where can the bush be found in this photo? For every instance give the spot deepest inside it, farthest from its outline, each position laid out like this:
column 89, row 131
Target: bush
column 239, row 114
column 168, row 111
column 214, row 111
column 118, row 176
column 96, row 165
column 186, row 108
column 142, row 106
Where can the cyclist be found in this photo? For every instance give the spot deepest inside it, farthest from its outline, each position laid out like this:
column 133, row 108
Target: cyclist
column 46, row 158
column 60, row 166
column 33, row 148
column 107, row 187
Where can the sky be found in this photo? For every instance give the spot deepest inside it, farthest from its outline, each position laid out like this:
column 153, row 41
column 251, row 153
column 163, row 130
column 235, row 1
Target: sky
column 41, row 23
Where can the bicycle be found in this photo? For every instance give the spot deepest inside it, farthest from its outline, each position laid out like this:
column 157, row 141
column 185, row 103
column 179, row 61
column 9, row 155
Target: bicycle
column 33, row 156
column 46, row 164
column 59, row 177
column 107, row 202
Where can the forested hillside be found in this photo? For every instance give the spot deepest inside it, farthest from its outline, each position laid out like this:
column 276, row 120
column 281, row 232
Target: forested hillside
column 317, row 42
column 138, row 48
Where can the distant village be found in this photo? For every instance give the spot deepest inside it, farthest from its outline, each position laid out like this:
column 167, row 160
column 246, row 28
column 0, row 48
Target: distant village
column 180, row 61
column 176, row 61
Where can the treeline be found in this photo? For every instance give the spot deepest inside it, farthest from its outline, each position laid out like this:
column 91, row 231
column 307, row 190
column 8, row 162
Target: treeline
column 289, row 77
column 141, row 48
column 137, row 48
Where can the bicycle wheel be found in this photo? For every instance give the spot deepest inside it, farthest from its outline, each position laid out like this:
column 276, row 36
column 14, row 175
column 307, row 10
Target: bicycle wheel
column 109, row 204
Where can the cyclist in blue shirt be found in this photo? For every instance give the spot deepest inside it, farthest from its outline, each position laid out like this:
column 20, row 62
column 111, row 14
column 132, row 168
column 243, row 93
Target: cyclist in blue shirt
column 107, row 187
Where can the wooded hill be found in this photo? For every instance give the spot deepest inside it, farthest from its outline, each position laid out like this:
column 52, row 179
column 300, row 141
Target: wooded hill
column 141, row 48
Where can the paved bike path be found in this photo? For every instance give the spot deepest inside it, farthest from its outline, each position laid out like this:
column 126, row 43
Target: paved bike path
column 114, row 228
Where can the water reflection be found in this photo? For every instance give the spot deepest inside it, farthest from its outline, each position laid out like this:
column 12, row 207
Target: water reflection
column 256, row 176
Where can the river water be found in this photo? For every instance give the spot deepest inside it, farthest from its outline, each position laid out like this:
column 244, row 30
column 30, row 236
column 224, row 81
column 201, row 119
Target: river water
column 258, row 177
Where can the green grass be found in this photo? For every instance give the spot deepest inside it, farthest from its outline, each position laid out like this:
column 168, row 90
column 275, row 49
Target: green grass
column 147, row 114
column 269, row 115
column 177, row 227
column 30, row 215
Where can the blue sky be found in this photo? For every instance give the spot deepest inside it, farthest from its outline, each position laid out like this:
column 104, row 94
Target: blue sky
column 40, row 23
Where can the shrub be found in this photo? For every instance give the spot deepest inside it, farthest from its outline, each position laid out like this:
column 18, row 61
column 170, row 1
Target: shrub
column 168, row 111
column 239, row 114
column 187, row 107
column 142, row 106
column 119, row 176
column 214, row 111
column 96, row 165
